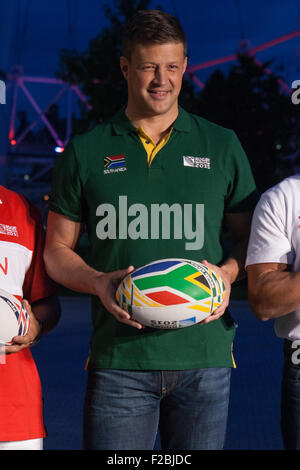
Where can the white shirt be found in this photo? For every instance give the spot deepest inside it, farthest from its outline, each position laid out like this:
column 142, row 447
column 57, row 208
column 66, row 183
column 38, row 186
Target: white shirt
column 275, row 238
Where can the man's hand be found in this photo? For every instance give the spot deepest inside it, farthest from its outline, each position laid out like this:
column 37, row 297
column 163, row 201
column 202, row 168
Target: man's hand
column 226, row 277
column 22, row 342
column 106, row 290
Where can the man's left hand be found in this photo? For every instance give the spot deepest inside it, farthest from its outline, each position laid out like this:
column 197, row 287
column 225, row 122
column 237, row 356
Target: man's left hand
column 225, row 275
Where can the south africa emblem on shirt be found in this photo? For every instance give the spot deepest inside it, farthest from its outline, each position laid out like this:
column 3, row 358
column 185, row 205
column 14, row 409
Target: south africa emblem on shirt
column 114, row 164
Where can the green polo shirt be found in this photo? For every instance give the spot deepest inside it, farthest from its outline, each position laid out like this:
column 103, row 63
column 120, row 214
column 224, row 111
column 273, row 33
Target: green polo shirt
column 136, row 213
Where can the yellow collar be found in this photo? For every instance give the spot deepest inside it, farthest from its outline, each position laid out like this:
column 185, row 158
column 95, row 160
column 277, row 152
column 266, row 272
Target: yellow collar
column 151, row 148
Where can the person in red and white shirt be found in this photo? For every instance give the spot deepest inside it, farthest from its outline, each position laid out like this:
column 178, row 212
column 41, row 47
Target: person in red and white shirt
column 22, row 274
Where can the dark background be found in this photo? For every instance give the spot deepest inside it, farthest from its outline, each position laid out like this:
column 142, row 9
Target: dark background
column 78, row 42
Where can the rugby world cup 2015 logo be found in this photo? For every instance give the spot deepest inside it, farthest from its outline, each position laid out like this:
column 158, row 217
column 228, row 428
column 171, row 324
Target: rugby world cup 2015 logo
column 155, row 221
column 114, row 164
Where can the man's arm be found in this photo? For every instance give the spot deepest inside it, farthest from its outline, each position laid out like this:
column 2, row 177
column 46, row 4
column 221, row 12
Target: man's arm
column 239, row 226
column 273, row 290
column 67, row 268
column 232, row 269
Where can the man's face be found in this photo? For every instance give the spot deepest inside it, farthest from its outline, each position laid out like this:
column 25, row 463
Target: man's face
column 154, row 77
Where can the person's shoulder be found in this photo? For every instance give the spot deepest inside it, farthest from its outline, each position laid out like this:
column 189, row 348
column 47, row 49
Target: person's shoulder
column 291, row 182
column 100, row 129
column 12, row 197
column 86, row 143
column 19, row 204
column 210, row 126
column 90, row 135
column 286, row 187
column 280, row 195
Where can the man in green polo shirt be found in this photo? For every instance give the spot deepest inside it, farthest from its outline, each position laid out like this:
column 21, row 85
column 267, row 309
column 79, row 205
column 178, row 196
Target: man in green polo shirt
column 154, row 182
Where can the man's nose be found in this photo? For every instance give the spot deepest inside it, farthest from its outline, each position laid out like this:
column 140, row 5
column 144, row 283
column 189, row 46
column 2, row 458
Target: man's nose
column 160, row 75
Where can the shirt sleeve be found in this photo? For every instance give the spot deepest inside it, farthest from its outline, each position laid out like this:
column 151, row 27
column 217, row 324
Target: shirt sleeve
column 242, row 195
column 66, row 195
column 37, row 284
column 269, row 241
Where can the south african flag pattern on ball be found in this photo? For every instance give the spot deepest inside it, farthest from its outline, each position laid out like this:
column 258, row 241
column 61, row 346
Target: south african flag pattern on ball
column 171, row 293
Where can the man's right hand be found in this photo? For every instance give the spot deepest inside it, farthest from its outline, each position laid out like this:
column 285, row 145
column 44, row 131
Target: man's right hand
column 106, row 291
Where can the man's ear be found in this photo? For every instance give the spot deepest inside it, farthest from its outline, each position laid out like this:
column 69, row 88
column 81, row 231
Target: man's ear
column 185, row 64
column 124, row 66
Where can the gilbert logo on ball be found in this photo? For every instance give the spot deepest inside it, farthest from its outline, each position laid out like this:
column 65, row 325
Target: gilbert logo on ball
column 14, row 319
column 171, row 293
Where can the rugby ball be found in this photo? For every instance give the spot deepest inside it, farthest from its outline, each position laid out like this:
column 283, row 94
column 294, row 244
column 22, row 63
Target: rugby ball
column 14, row 319
column 171, row 293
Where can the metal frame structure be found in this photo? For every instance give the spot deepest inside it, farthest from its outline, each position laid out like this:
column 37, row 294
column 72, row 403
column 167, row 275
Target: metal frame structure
column 244, row 46
column 17, row 81
column 18, row 156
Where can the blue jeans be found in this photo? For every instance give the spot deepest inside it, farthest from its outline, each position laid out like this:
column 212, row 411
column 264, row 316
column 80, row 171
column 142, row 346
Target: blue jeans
column 124, row 409
column 290, row 400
